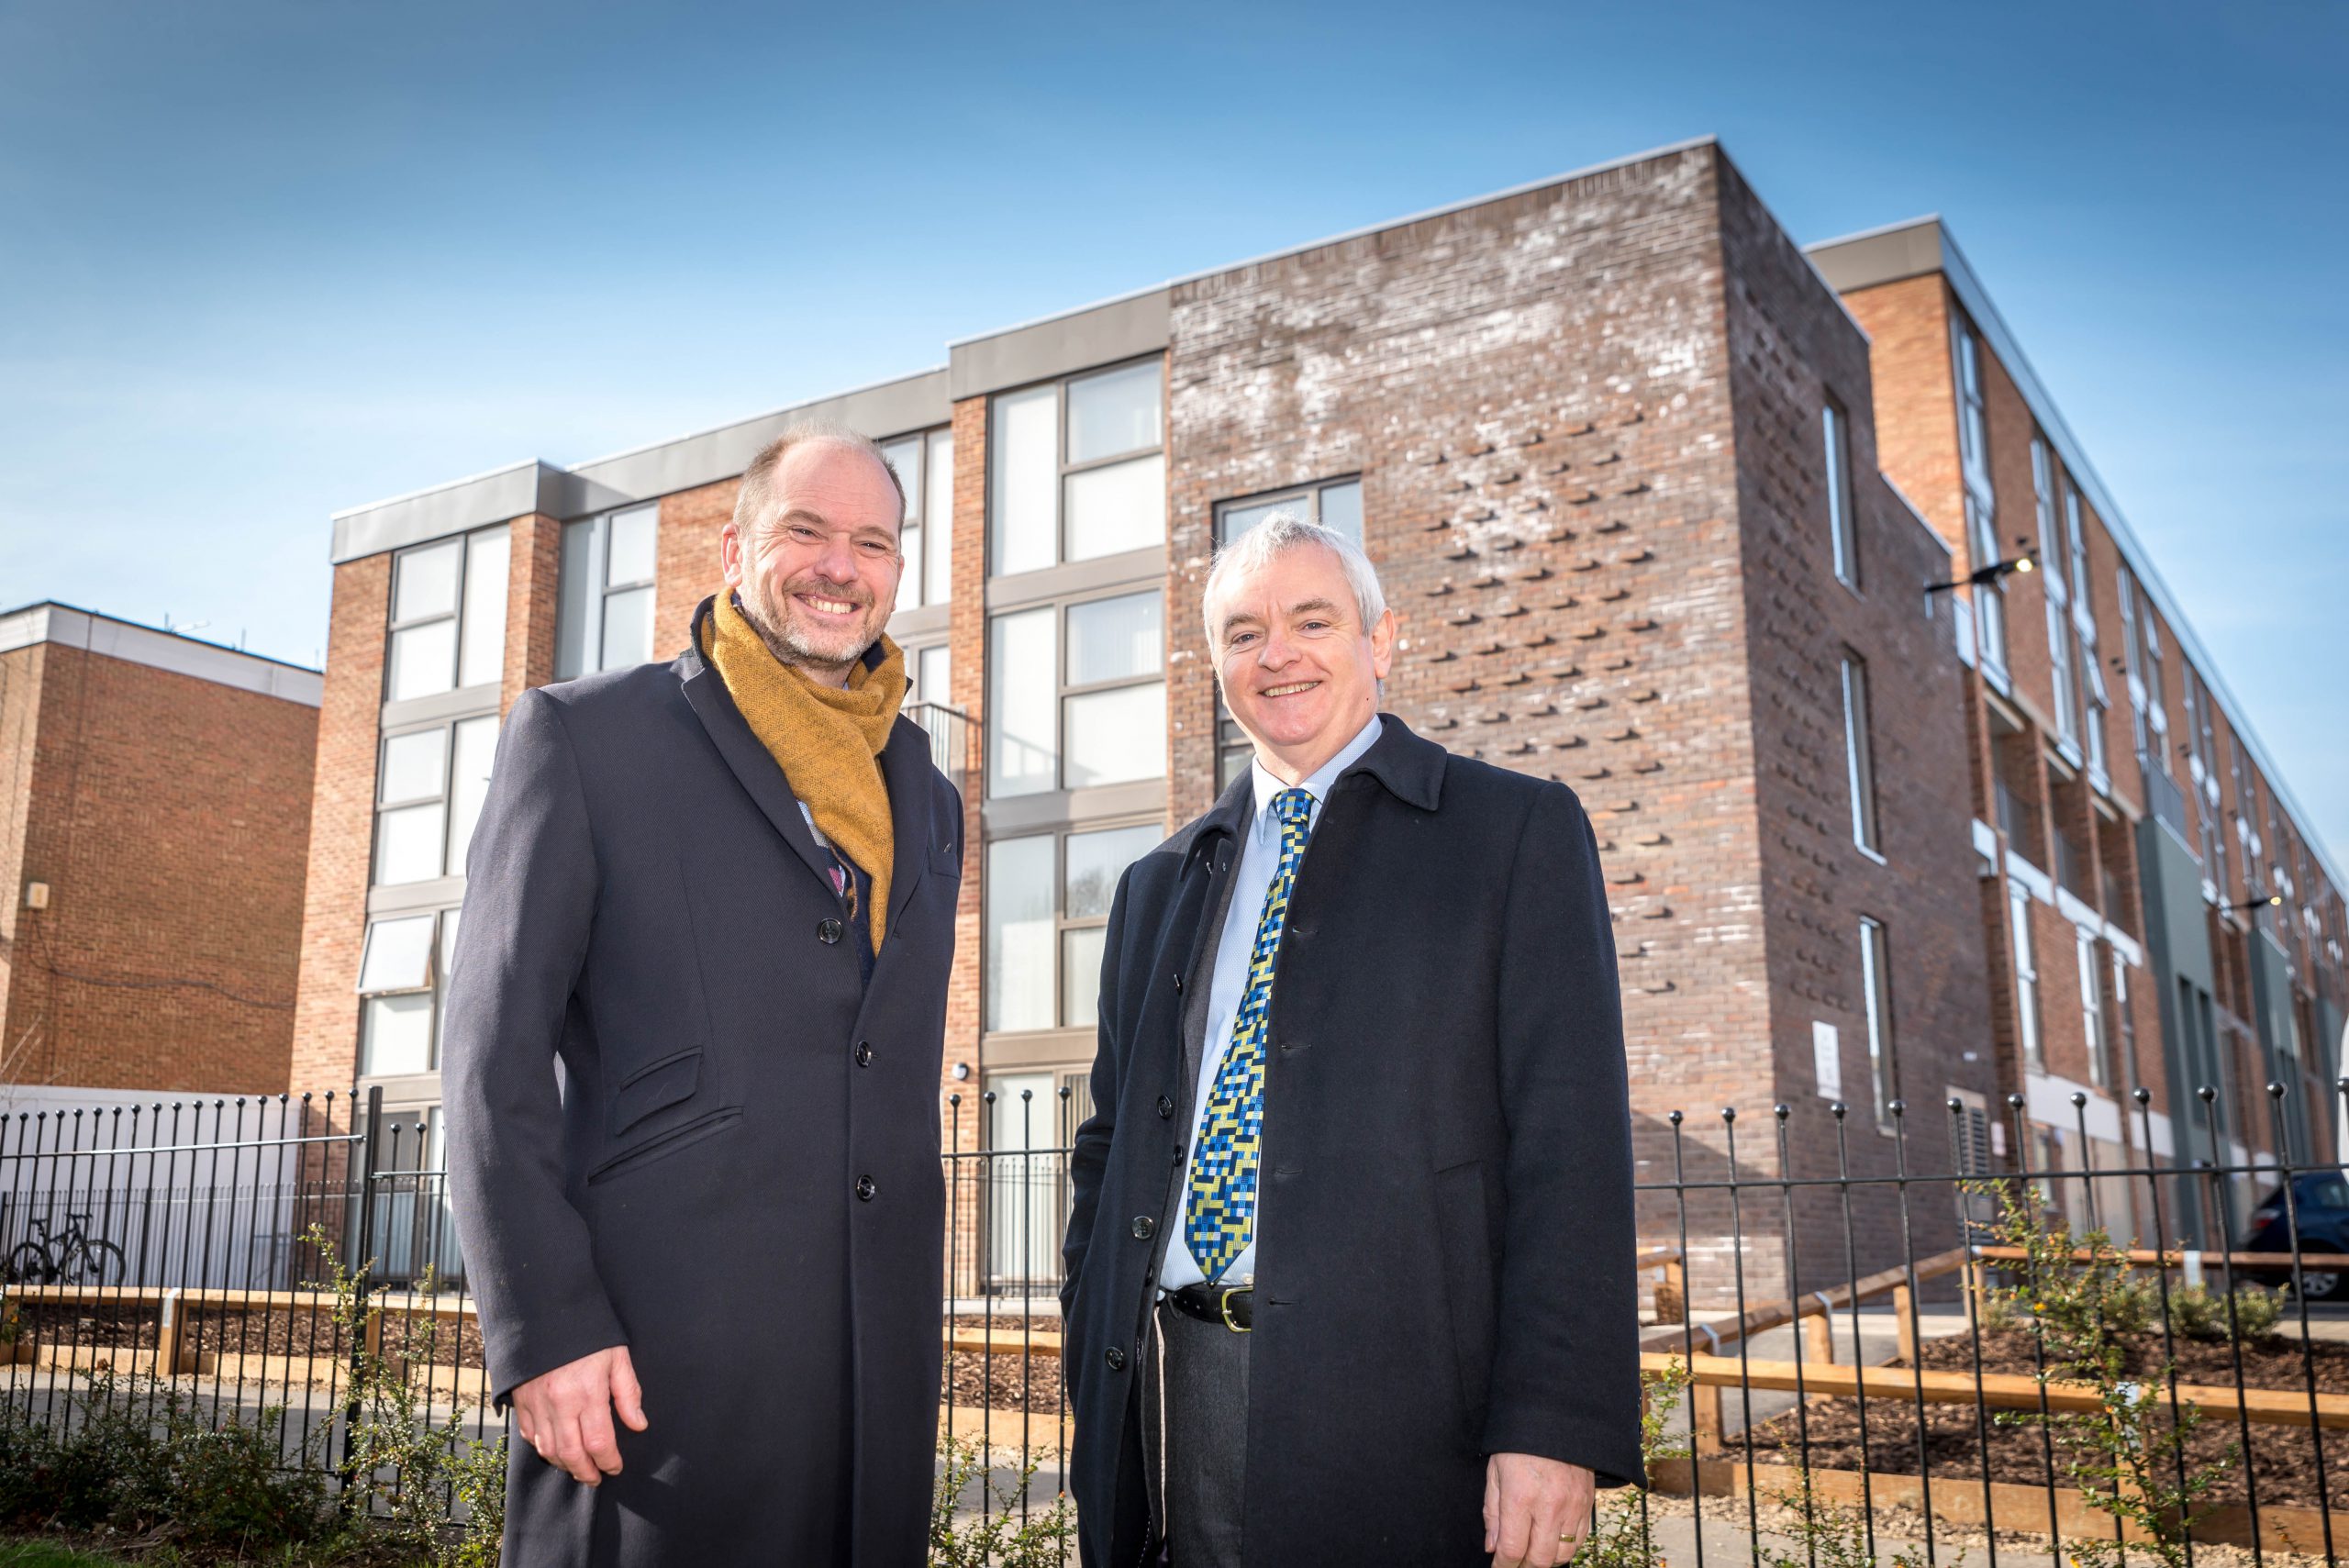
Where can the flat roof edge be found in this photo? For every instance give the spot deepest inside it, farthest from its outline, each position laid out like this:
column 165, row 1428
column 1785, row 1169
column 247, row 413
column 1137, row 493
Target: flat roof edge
column 91, row 631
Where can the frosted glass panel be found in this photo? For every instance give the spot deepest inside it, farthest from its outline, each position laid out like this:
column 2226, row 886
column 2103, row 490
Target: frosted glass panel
column 396, row 955
column 1110, row 639
column 1114, row 413
column 1022, row 749
column 424, row 581
column 936, row 682
column 628, row 629
column 909, row 585
column 397, row 1035
column 1081, row 976
column 1122, row 506
column 906, row 458
column 424, row 661
column 1116, row 736
column 574, row 620
column 1341, row 509
column 938, row 518
column 469, row 786
column 1019, row 933
column 1022, row 477
column 413, row 766
column 1095, row 861
column 407, row 844
column 481, row 656
column 630, row 553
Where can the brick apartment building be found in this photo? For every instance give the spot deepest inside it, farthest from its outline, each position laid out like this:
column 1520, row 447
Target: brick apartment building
column 154, row 819
column 1613, row 441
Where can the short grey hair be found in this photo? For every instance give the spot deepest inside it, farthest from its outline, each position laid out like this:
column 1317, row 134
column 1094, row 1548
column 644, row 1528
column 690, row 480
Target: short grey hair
column 757, row 494
column 1280, row 533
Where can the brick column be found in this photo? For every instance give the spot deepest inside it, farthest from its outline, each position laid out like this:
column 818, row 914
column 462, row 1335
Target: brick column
column 531, row 598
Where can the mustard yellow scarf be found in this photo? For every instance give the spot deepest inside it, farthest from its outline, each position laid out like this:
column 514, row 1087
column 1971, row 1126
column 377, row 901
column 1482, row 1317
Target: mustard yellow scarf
column 827, row 742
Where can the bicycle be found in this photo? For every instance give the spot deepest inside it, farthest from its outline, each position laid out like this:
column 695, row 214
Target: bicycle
column 72, row 1258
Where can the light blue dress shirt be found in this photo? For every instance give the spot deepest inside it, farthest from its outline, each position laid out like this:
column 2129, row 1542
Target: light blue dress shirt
column 1260, row 853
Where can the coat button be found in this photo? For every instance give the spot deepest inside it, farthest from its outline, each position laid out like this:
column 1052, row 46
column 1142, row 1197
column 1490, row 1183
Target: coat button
column 1116, row 1358
column 865, row 1189
column 1144, row 1227
column 1165, row 1107
column 829, row 931
column 864, row 1053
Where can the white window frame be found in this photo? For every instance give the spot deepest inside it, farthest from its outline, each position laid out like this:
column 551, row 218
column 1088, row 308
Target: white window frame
column 1859, row 756
column 1063, row 924
column 928, row 573
column 1981, row 498
column 471, row 561
column 451, row 856
column 2093, row 1029
column 584, row 573
column 1063, row 689
column 1843, row 526
column 998, row 535
column 1876, row 997
column 2026, row 967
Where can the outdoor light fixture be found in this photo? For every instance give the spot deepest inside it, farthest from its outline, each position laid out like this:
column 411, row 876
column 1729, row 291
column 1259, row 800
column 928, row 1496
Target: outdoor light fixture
column 2272, row 900
column 1985, row 575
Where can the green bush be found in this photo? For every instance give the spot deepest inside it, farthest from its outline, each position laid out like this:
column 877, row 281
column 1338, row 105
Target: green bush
column 2200, row 1313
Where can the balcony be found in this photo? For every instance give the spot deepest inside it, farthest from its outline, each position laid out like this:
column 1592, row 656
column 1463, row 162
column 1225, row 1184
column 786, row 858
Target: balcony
column 952, row 738
column 2162, row 793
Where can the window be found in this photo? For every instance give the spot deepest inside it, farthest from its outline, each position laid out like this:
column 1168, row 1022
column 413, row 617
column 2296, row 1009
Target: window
column 925, row 465
column 1075, row 471
column 1076, row 695
column 2094, row 699
column 399, row 970
column 2026, row 978
column 1841, row 532
column 1858, row 757
column 1981, row 506
column 1875, row 993
column 448, row 625
column 2092, row 1022
column 2124, row 1026
column 1333, row 502
column 2051, row 572
column 429, row 787
column 930, row 675
column 604, row 618
column 1048, row 898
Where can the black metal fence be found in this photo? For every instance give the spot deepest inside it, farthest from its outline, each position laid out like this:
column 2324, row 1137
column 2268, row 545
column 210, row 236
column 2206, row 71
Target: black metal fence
column 187, row 1249
column 1924, row 1336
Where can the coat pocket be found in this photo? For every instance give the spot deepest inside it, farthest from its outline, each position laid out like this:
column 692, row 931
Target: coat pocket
column 656, row 1085
column 1468, row 1274
column 675, row 1140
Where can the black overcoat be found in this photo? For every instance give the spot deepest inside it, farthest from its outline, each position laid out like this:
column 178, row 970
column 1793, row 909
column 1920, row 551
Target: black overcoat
column 739, row 1179
column 1444, row 1240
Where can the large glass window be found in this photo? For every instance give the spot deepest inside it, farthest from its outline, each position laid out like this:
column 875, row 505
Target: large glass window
column 448, row 621
column 1875, row 993
column 403, row 969
column 1859, row 761
column 2026, row 977
column 1075, row 469
column 1048, row 897
column 604, row 618
column 2061, row 662
column 1076, row 695
column 925, row 465
column 2092, row 1029
column 430, row 787
column 1981, row 505
column 1332, row 502
column 1842, row 530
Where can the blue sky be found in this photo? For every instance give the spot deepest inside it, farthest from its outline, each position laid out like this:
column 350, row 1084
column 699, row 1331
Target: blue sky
column 261, row 260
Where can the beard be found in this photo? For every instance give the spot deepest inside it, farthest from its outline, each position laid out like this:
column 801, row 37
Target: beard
column 829, row 650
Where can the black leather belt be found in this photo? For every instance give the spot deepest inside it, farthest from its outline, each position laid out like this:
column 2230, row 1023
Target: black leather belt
column 1234, row 1305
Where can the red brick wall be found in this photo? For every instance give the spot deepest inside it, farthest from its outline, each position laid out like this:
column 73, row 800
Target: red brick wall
column 1790, row 347
column 533, row 596
column 966, row 643
column 342, row 823
column 1916, row 400
column 686, row 561
column 170, row 816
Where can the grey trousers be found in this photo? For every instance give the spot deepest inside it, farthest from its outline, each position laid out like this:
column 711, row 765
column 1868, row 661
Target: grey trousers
column 1194, row 1393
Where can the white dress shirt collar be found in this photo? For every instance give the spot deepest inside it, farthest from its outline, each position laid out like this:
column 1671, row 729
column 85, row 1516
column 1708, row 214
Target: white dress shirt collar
column 1317, row 783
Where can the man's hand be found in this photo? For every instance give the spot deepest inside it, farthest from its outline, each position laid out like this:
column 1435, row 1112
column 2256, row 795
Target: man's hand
column 566, row 1414
column 1536, row 1511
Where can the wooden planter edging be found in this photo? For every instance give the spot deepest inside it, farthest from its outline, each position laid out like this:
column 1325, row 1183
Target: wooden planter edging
column 2011, row 1505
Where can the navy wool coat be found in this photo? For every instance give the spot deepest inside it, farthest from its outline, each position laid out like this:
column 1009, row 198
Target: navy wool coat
column 679, row 1120
column 1444, row 1237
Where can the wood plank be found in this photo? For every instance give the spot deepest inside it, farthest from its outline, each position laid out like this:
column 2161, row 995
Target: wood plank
column 1005, row 1342
column 2000, row 1391
column 1777, row 1314
column 2176, row 1259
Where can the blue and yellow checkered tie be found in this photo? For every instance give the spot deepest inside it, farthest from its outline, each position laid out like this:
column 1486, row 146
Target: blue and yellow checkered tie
column 1224, row 1156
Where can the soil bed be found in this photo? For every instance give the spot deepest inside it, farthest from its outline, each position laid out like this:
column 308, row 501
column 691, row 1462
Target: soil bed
column 2283, row 1459
column 1002, row 1385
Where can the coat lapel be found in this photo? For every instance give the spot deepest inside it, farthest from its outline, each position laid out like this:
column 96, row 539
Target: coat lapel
column 904, row 767
column 753, row 764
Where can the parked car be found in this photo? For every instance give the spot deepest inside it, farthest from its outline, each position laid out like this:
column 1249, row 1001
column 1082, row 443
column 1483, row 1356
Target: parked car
column 2321, row 1202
